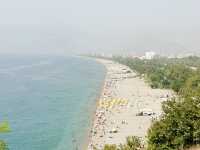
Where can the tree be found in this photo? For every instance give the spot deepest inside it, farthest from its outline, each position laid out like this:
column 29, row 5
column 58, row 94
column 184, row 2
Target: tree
column 178, row 127
column 192, row 86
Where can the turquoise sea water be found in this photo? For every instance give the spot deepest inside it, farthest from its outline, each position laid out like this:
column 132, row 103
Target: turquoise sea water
column 48, row 100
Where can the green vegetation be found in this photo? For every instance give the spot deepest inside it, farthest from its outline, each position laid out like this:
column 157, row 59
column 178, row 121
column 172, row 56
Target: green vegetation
column 132, row 143
column 192, row 86
column 179, row 126
column 163, row 72
column 110, row 147
column 3, row 145
column 4, row 127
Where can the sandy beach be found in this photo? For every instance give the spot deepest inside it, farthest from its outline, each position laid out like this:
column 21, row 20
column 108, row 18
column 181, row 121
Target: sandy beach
column 126, row 107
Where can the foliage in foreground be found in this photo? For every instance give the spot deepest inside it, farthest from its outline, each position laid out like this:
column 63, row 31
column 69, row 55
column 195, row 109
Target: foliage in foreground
column 4, row 127
column 178, row 128
column 3, row 145
column 132, row 143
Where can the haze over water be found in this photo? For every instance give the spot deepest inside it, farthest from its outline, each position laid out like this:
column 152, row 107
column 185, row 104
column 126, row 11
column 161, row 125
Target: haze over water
column 48, row 100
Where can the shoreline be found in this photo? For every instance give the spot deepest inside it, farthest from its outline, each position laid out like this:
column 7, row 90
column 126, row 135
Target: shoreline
column 98, row 99
column 122, row 96
column 88, row 135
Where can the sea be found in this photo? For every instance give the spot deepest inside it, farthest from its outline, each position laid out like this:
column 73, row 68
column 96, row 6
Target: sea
column 48, row 100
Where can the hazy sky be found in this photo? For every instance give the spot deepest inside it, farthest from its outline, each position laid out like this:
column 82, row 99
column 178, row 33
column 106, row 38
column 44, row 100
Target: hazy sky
column 103, row 25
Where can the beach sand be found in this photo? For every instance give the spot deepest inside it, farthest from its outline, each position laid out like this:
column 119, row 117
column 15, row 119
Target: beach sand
column 124, row 95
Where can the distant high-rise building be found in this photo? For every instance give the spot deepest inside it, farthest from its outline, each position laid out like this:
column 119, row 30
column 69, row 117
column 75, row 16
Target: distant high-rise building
column 150, row 55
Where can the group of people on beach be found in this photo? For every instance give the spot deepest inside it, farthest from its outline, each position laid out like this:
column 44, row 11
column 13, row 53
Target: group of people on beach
column 108, row 101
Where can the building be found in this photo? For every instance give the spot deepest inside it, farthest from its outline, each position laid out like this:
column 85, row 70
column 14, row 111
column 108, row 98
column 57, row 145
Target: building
column 149, row 55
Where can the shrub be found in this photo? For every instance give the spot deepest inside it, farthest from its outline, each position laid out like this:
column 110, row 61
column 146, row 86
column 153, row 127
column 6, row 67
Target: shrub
column 132, row 143
column 110, row 147
column 3, row 145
